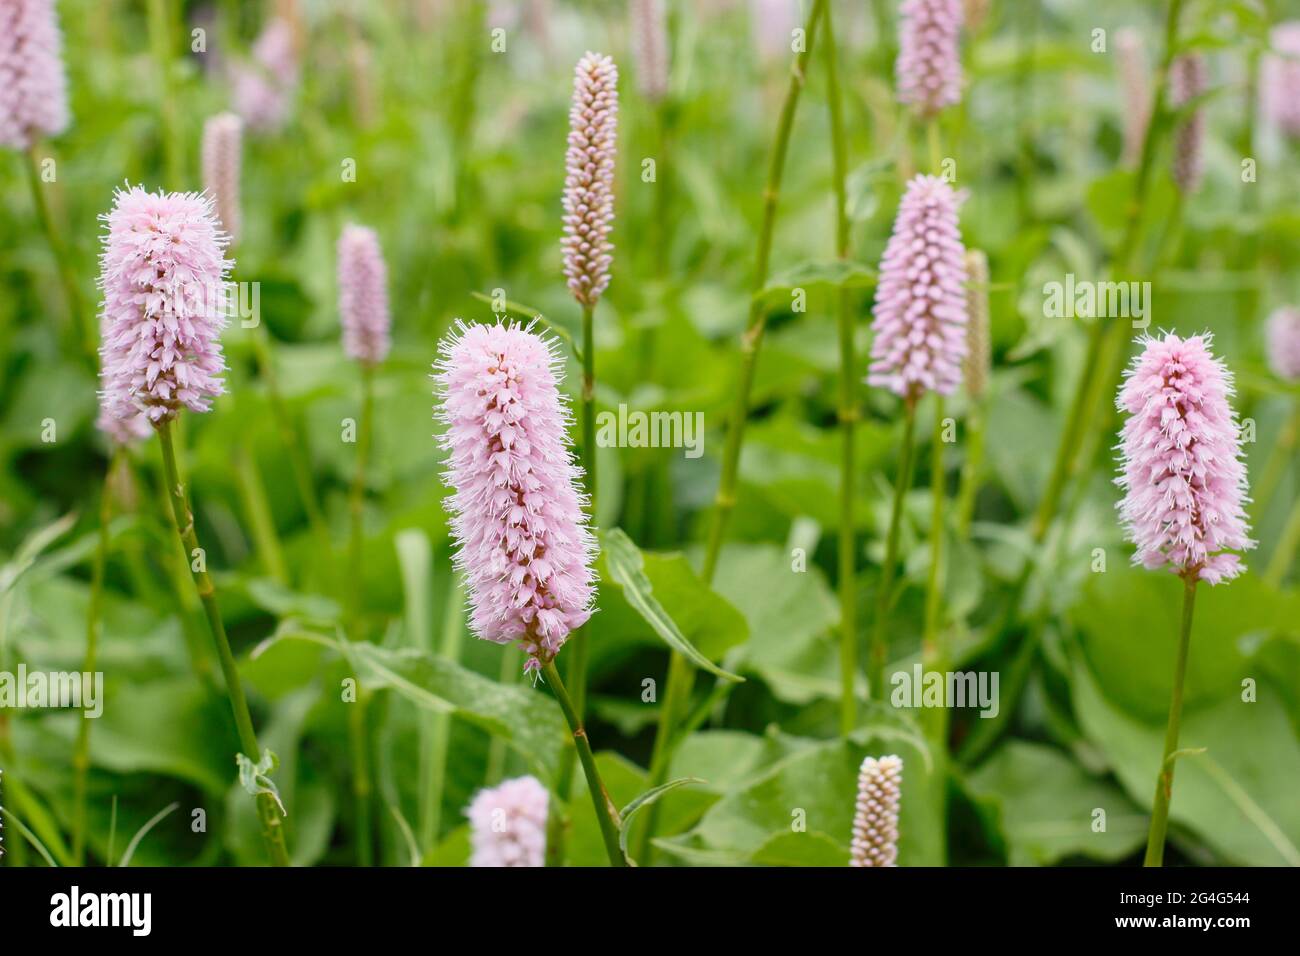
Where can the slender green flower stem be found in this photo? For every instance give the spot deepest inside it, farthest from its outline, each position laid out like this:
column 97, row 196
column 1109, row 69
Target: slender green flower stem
column 357, row 742
column 162, row 39
column 252, row 492
column 972, row 467
column 79, row 326
column 848, row 404
column 884, row 593
column 1280, row 563
column 94, row 626
column 606, row 814
column 1165, row 780
column 934, row 584
column 291, row 438
column 268, row 811
column 677, row 693
column 680, row 673
column 1275, row 466
column 496, row 758
column 440, row 725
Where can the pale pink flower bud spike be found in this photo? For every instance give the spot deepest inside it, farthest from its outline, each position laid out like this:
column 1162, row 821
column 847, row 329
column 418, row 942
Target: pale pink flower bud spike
column 508, row 824
column 928, row 70
column 222, row 143
column 1279, row 81
column 1187, row 81
column 163, row 273
column 33, row 84
column 1283, row 334
column 650, row 46
column 1135, row 90
column 589, row 178
column 263, row 89
column 363, row 295
column 1181, row 462
column 875, row 820
column 523, row 541
column 921, row 309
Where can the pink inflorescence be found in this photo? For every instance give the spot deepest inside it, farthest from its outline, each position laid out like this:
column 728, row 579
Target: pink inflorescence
column 33, row 86
column 523, row 541
column 875, row 820
column 650, row 46
column 589, row 178
column 163, row 273
column 508, row 824
column 1283, row 333
column 264, row 88
column 222, row 139
column 363, row 295
column 122, row 431
column 1187, row 80
column 921, row 310
column 929, row 66
column 1279, row 84
column 1184, row 480
column 1135, row 104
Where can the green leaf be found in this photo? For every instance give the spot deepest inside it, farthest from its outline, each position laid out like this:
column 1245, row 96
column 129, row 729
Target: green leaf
column 814, row 274
column 530, row 722
column 801, row 849
column 1043, row 802
column 650, row 796
column 144, row 831
column 255, row 778
column 627, row 568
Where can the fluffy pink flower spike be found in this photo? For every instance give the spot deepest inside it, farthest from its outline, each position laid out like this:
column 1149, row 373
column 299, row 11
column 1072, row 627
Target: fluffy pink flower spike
column 921, row 310
column 1279, row 83
column 1188, row 79
column 222, row 146
column 928, row 69
column 33, row 86
column 163, row 273
column 523, row 543
column 263, row 89
column 589, row 178
column 508, row 824
column 1182, row 473
column 1283, row 333
column 363, row 295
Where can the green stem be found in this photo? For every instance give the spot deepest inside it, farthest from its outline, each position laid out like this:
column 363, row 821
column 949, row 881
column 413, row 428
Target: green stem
column 606, row 814
column 162, row 39
column 79, row 327
column 677, row 694
column 94, row 626
column 580, row 650
column 1284, row 553
column 1165, row 780
column 272, row 825
column 1275, row 466
column 934, row 583
column 252, row 491
column 357, row 742
column 848, row 407
column 932, row 139
column 972, row 468
column 876, row 664
column 440, row 725
column 508, row 675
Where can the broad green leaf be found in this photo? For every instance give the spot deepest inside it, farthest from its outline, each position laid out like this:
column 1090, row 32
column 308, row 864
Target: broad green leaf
column 814, row 274
column 527, row 719
column 649, row 797
column 801, row 849
column 627, row 569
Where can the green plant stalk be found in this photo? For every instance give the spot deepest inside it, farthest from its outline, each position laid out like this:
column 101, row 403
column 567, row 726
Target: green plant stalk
column 1280, row 562
column 1165, row 780
column 94, row 625
column 268, row 812
column 972, row 468
column 252, row 493
column 496, row 759
column 440, row 726
column 848, row 407
column 1276, row 464
column 680, row 673
column 177, row 569
column 79, row 326
column 291, row 438
column 677, row 694
column 606, row 814
column 162, row 39
column 357, row 742
column 934, row 583
column 884, row 595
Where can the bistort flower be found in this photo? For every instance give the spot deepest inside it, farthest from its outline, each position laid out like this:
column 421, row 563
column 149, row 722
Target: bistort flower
column 1135, row 99
column 363, row 295
column 589, row 178
column 263, row 89
column 163, row 273
column 920, row 310
column 928, row 69
column 1181, row 463
column 1279, row 78
column 1283, row 333
column 523, row 543
column 650, row 46
column 875, row 822
column 33, row 84
column 508, row 824
column 1187, row 80
column 222, row 137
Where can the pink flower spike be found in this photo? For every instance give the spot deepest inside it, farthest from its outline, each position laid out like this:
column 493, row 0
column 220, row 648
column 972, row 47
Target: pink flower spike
column 163, row 273
column 122, row 431
column 264, row 88
column 1279, row 81
column 523, row 543
column 650, row 46
column 1181, row 463
column 928, row 69
column 1188, row 80
column 1135, row 102
column 589, row 178
column 222, row 138
column 363, row 295
column 1283, row 333
column 508, row 824
column 875, row 822
column 33, row 84
column 921, row 308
